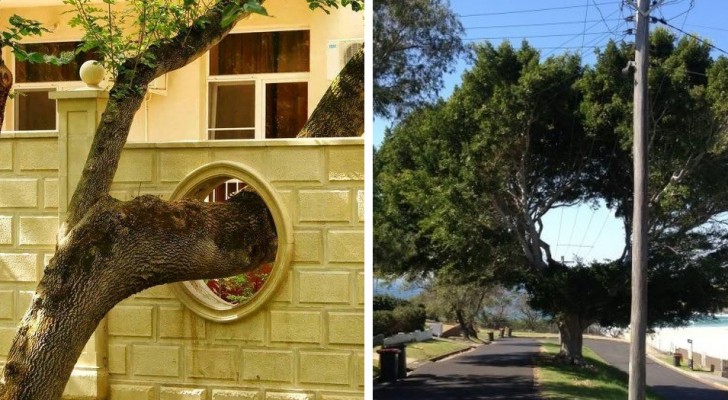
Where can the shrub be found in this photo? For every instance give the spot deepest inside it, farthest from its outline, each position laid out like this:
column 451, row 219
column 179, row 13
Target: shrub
column 386, row 302
column 409, row 318
column 384, row 323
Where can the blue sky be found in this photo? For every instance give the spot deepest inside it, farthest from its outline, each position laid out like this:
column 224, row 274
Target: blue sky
column 557, row 26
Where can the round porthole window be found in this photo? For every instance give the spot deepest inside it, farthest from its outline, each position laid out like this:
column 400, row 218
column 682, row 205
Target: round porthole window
column 228, row 299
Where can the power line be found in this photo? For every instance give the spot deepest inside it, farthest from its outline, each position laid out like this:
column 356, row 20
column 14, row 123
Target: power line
column 662, row 21
column 535, row 36
column 540, row 24
column 528, row 11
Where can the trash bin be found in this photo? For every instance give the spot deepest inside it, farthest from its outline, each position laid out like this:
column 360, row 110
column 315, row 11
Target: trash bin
column 388, row 364
column 401, row 361
column 490, row 336
column 676, row 359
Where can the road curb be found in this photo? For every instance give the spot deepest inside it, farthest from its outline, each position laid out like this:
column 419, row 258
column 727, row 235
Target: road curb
column 688, row 374
column 665, row 364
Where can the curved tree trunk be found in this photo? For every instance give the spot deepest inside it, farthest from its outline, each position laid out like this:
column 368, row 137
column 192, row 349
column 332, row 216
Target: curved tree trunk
column 467, row 329
column 118, row 249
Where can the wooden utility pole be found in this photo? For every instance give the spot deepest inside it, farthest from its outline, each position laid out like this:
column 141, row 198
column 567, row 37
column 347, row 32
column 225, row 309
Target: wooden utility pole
column 638, row 321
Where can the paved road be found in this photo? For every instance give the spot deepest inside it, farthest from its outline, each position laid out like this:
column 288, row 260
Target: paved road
column 666, row 382
column 503, row 370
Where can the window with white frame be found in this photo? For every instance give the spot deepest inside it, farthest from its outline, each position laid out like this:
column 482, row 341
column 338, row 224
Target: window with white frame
column 33, row 110
column 258, row 85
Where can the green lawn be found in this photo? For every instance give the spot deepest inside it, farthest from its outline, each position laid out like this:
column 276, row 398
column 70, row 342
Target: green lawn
column 599, row 381
column 425, row 350
column 433, row 348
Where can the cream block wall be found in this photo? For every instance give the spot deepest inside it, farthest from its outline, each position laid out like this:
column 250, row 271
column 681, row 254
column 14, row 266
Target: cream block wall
column 28, row 222
column 307, row 343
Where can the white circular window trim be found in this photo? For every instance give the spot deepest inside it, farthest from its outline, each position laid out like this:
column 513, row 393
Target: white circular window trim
column 197, row 185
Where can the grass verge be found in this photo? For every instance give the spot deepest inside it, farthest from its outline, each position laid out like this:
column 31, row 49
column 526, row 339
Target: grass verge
column 598, row 381
column 421, row 351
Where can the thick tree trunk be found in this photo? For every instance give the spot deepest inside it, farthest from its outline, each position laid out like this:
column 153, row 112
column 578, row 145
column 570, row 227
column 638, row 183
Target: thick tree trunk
column 116, row 250
column 340, row 112
column 571, row 335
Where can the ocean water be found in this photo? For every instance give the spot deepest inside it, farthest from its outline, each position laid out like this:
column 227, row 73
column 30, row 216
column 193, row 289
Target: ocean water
column 708, row 336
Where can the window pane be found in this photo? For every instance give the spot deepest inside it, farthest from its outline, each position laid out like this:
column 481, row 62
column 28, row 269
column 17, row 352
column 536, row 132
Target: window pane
column 34, row 110
column 29, row 72
column 286, row 109
column 261, row 52
column 232, row 111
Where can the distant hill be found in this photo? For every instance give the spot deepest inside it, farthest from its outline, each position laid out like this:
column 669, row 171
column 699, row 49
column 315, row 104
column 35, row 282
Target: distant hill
column 397, row 288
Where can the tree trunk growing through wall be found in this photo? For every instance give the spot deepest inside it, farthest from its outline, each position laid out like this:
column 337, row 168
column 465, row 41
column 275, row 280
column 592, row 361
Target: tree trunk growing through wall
column 110, row 249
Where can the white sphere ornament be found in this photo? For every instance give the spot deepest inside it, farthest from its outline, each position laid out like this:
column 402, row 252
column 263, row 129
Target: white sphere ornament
column 92, row 73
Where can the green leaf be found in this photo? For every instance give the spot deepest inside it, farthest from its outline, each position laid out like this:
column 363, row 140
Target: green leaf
column 254, row 7
column 230, row 14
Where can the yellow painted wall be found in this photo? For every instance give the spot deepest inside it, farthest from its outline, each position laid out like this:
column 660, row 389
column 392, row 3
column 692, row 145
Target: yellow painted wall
column 181, row 114
column 306, row 343
column 308, row 340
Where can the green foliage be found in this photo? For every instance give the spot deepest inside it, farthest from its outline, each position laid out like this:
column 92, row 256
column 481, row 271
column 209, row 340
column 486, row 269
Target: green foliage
column 415, row 44
column 464, row 184
column 387, row 302
column 383, row 323
column 392, row 316
column 21, row 28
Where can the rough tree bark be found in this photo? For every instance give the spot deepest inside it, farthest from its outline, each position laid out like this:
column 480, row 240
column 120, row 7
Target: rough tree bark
column 109, row 249
column 6, row 83
column 467, row 327
column 571, row 335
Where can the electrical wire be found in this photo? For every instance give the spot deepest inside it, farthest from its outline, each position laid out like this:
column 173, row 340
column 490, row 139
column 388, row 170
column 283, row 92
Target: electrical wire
column 559, row 23
column 662, row 21
column 527, row 11
column 536, row 36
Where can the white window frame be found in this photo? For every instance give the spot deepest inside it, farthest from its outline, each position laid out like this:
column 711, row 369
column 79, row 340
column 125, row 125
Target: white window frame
column 38, row 86
column 259, row 80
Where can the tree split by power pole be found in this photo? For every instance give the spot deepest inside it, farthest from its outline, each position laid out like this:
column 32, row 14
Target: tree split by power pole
column 638, row 319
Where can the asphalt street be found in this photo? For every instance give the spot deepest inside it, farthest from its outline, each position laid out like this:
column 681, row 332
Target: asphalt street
column 502, row 370
column 666, row 382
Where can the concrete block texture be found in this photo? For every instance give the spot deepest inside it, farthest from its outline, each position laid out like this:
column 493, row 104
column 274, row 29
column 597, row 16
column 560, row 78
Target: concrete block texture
column 6, row 155
column 18, row 267
column 309, row 246
column 212, row 363
column 18, row 193
column 295, row 326
column 177, row 393
column 295, row 164
column 130, row 321
column 325, row 368
column 38, row 231
column 324, row 287
column 345, row 246
column 346, row 328
column 227, row 394
column 289, row 396
column 346, row 164
column 324, row 205
column 6, row 229
column 37, row 155
column 152, row 360
column 268, row 365
column 7, row 304
column 132, row 392
column 178, row 322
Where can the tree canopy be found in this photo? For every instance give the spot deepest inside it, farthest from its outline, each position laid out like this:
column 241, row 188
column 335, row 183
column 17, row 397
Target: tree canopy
column 415, row 43
column 522, row 136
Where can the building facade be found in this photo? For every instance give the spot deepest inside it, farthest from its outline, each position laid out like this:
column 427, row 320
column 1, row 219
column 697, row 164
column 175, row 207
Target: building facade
column 302, row 335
